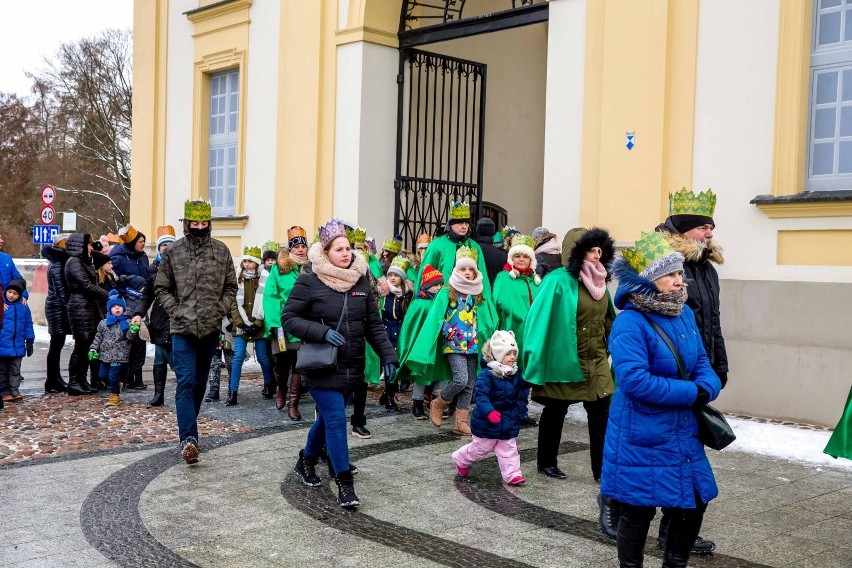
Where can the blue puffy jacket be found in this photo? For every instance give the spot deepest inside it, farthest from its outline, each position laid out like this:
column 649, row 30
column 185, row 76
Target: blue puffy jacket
column 17, row 329
column 8, row 270
column 652, row 455
column 128, row 262
column 502, row 394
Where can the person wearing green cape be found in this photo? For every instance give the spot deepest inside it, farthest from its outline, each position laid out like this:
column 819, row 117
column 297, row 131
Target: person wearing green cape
column 840, row 443
column 572, row 315
column 419, row 347
column 515, row 289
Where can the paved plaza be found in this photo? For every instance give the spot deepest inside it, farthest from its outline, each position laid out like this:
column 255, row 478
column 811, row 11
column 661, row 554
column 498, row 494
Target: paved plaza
column 140, row 505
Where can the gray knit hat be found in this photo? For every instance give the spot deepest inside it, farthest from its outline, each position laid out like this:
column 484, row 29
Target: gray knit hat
column 672, row 262
column 538, row 232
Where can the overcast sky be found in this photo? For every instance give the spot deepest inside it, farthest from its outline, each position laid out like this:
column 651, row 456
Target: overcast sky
column 34, row 29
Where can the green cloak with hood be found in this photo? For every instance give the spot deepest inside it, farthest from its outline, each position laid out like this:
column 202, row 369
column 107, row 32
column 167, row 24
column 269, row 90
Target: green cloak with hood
column 840, row 443
column 549, row 354
column 513, row 298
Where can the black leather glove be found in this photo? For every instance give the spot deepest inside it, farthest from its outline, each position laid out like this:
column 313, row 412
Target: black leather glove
column 702, row 398
column 334, row 338
column 29, row 348
column 243, row 329
column 723, row 376
column 252, row 329
column 390, row 372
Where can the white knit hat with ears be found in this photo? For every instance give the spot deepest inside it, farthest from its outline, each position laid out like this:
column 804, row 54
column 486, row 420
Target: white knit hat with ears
column 502, row 343
column 522, row 244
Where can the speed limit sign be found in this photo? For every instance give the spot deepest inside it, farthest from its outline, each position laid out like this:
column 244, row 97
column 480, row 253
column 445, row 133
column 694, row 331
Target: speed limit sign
column 48, row 214
column 48, row 195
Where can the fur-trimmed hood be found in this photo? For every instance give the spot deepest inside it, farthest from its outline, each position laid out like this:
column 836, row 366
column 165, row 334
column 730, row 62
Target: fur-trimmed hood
column 692, row 251
column 286, row 264
column 629, row 282
column 579, row 241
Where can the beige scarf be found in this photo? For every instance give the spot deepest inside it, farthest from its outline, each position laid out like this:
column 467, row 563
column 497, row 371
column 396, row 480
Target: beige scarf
column 336, row 278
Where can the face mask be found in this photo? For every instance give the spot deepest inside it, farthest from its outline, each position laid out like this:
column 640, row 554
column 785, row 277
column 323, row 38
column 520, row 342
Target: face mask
column 199, row 233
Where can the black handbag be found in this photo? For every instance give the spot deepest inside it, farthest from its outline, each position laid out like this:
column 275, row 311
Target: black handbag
column 713, row 430
column 319, row 356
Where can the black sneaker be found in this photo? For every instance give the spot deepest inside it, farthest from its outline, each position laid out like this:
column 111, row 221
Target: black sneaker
column 417, row 410
column 528, row 422
column 306, row 468
column 361, row 432
column 189, row 450
column 700, row 547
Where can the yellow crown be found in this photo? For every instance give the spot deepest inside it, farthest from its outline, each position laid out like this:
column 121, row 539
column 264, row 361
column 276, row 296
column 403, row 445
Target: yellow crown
column 271, row 245
column 402, row 263
column 467, row 252
column 649, row 248
column 393, row 244
column 358, row 235
column 252, row 251
column 521, row 240
column 198, row 210
column 459, row 210
column 686, row 202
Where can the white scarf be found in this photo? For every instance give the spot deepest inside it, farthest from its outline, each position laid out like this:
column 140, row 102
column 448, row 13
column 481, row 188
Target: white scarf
column 502, row 370
column 394, row 290
column 241, row 296
column 464, row 286
column 257, row 309
column 550, row 247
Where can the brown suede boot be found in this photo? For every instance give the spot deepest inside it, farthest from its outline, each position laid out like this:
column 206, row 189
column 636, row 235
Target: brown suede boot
column 293, row 402
column 280, row 398
column 462, row 427
column 436, row 411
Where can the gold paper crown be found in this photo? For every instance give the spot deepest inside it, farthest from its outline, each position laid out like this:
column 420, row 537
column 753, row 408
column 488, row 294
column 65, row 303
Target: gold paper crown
column 165, row 230
column 198, row 210
column 459, row 210
column 357, row 236
column 402, row 263
column 467, row 252
column 423, row 240
column 686, row 202
column 522, row 240
column 649, row 248
column 252, row 251
column 127, row 234
column 296, row 231
column 393, row 244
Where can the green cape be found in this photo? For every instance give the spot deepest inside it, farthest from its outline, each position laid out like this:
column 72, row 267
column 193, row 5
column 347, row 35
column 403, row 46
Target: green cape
column 415, row 319
column 375, row 266
column 549, row 354
column 512, row 302
column 275, row 293
column 840, row 443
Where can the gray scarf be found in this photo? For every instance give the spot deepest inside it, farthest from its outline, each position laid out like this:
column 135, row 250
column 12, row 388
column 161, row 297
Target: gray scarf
column 665, row 304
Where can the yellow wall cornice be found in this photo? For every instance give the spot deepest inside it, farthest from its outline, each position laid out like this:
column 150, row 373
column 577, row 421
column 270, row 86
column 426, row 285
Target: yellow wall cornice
column 237, row 8
column 806, row 209
column 789, row 160
column 370, row 35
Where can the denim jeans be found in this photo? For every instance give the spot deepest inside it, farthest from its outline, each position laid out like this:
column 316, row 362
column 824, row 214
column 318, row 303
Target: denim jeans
column 329, row 428
column 111, row 374
column 261, row 350
column 191, row 357
column 163, row 355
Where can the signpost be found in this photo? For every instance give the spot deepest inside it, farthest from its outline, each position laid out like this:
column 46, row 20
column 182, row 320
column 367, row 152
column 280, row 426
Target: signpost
column 43, row 234
column 48, row 214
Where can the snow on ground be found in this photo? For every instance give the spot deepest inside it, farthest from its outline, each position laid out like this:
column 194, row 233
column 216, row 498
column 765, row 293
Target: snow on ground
column 774, row 440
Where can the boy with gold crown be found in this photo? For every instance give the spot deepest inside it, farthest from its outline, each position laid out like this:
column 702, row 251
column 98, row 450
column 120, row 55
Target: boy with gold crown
column 196, row 285
column 689, row 228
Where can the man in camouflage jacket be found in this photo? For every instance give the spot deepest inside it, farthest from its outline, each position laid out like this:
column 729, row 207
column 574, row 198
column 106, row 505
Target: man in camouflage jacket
column 196, row 284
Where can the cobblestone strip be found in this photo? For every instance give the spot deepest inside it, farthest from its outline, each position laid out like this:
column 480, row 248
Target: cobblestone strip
column 489, row 492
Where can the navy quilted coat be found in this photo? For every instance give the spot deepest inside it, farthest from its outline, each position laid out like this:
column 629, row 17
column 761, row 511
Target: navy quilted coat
column 55, row 310
column 502, row 394
column 652, row 454
column 129, row 262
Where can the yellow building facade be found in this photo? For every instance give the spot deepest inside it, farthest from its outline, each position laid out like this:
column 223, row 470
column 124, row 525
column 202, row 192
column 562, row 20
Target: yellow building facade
column 288, row 112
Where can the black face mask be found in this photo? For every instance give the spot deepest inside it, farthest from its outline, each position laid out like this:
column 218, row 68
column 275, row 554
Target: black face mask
column 199, row 233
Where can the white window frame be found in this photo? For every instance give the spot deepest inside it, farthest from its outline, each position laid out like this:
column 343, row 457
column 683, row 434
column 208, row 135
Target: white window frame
column 834, row 57
column 223, row 123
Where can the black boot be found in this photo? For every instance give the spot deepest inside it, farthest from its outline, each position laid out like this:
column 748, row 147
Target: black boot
column 417, row 410
column 681, row 538
column 610, row 513
column 306, row 467
column 159, row 372
column 346, row 490
column 700, row 546
column 390, row 397
column 137, row 381
column 268, row 392
column 75, row 387
column 212, row 393
column 631, row 543
column 232, row 399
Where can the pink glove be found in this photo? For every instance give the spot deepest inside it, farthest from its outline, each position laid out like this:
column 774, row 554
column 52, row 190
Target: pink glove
column 494, row 417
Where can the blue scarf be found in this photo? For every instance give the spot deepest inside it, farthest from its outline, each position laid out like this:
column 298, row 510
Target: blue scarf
column 122, row 319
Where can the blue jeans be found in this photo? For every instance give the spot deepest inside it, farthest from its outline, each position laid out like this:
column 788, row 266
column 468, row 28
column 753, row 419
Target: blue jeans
column 162, row 355
column 261, row 350
column 329, row 428
column 111, row 374
column 191, row 356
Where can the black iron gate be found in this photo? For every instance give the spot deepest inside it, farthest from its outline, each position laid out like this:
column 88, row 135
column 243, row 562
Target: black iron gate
column 439, row 141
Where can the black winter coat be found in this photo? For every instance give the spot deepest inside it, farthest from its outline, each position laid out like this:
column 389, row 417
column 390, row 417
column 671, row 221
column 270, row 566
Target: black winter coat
column 129, row 262
column 158, row 324
column 313, row 308
column 84, row 295
column 495, row 259
column 55, row 304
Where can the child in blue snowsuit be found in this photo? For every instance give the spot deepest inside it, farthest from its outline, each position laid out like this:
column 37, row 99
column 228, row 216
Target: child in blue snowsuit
column 16, row 340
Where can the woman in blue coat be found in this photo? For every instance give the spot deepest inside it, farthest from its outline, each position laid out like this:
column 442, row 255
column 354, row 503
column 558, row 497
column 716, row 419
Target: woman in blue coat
column 652, row 455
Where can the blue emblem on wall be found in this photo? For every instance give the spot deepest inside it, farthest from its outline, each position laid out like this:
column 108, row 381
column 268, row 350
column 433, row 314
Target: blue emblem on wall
column 631, row 140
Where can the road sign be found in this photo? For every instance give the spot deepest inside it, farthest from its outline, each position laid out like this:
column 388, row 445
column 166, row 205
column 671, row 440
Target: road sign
column 43, row 234
column 48, row 214
column 48, row 195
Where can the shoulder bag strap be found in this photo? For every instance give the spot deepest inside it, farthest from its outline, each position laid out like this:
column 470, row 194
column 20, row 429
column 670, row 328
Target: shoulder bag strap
column 345, row 309
column 681, row 368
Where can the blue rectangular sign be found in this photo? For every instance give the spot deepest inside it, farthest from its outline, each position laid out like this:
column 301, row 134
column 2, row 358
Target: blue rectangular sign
column 43, row 234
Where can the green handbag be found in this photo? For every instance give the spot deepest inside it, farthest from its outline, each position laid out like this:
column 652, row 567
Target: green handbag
column 713, row 430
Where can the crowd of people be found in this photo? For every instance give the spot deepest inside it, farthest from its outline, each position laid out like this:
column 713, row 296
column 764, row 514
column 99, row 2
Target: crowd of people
column 474, row 322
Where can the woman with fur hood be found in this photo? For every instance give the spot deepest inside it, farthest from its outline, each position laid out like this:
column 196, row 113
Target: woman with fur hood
column 334, row 304
column 572, row 316
column 285, row 347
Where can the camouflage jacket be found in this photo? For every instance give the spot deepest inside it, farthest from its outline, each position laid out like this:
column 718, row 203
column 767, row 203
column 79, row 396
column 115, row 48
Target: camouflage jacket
column 196, row 284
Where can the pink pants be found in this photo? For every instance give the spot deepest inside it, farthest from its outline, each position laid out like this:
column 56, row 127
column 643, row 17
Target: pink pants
column 506, row 451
